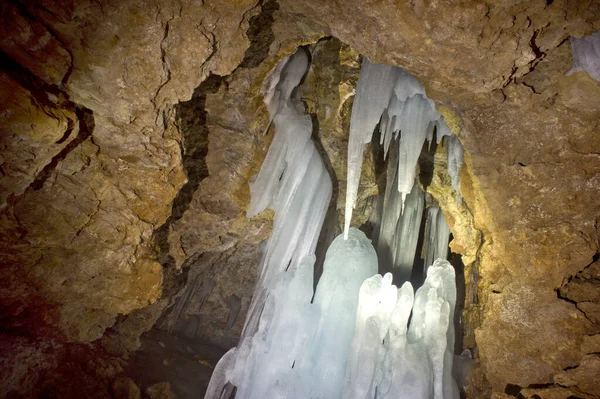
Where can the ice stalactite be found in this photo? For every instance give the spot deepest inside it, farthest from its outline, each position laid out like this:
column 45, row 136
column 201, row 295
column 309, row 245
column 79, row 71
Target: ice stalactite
column 437, row 235
column 399, row 231
column 586, row 55
column 397, row 101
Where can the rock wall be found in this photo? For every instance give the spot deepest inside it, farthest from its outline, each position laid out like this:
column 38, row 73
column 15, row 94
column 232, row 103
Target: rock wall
column 114, row 200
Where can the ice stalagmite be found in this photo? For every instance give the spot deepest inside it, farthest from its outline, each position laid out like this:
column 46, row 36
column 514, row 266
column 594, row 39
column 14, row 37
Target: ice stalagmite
column 377, row 301
column 437, row 235
column 389, row 358
column 347, row 264
column 586, row 54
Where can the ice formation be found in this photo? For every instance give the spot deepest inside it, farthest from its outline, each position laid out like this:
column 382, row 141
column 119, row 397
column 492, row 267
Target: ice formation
column 399, row 231
column 300, row 349
column 396, row 100
column 389, row 358
column 455, row 153
column 292, row 181
column 352, row 338
column 586, row 54
column 437, row 235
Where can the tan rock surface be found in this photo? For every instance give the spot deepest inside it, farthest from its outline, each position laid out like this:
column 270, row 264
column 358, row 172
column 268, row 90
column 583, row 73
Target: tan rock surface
column 83, row 235
column 78, row 228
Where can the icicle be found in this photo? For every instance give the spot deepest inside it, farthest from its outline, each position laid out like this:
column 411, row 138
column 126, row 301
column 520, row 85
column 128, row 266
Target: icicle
column 437, row 235
column 373, row 91
column 407, row 234
column 397, row 100
column 454, row 151
column 415, row 117
column 586, row 55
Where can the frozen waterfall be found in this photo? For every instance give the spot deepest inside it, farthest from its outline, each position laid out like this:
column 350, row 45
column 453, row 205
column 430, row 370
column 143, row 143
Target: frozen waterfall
column 351, row 337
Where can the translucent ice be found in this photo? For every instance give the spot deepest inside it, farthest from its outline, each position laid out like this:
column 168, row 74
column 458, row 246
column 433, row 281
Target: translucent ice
column 389, row 358
column 437, row 235
column 586, row 54
column 347, row 265
column 294, row 183
column 454, row 151
column 397, row 101
column 407, row 234
column 377, row 300
column 373, row 91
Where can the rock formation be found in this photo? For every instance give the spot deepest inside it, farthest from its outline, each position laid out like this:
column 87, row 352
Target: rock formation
column 129, row 131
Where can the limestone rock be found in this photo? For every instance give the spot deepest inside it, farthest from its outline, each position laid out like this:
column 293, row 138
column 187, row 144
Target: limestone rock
column 89, row 252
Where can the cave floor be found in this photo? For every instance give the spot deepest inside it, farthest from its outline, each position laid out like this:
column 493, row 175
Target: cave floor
column 185, row 364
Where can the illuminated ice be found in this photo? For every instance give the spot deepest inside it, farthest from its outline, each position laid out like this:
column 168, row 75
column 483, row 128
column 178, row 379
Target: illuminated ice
column 437, row 235
column 586, row 55
column 397, row 101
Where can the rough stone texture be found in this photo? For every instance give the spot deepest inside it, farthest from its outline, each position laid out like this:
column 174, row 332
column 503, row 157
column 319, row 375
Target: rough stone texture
column 84, row 207
column 81, row 236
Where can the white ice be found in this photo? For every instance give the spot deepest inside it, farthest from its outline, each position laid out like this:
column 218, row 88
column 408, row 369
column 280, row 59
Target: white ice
column 586, row 55
column 390, row 359
column 397, row 101
column 437, row 235
column 455, row 153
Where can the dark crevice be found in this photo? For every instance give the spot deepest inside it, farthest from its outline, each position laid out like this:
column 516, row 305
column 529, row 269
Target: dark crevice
column 191, row 119
column 260, row 34
column 67, row 134
column 85, row 117
column 25, row 12
column 512, row 389
column 40, row 91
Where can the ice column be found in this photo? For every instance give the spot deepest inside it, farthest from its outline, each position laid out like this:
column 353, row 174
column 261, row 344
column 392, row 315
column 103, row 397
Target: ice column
column 437, row 235
column 294, row 183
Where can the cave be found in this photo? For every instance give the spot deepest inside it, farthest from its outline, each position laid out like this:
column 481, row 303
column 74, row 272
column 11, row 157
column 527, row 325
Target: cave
column 132, row 132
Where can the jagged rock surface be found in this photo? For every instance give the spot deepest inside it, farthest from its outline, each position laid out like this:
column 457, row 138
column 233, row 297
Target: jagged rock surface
column 94, row 162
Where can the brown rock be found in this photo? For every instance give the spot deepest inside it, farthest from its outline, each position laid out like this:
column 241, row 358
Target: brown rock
column 584, row 376
column 125, row 387
column 160, row 390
